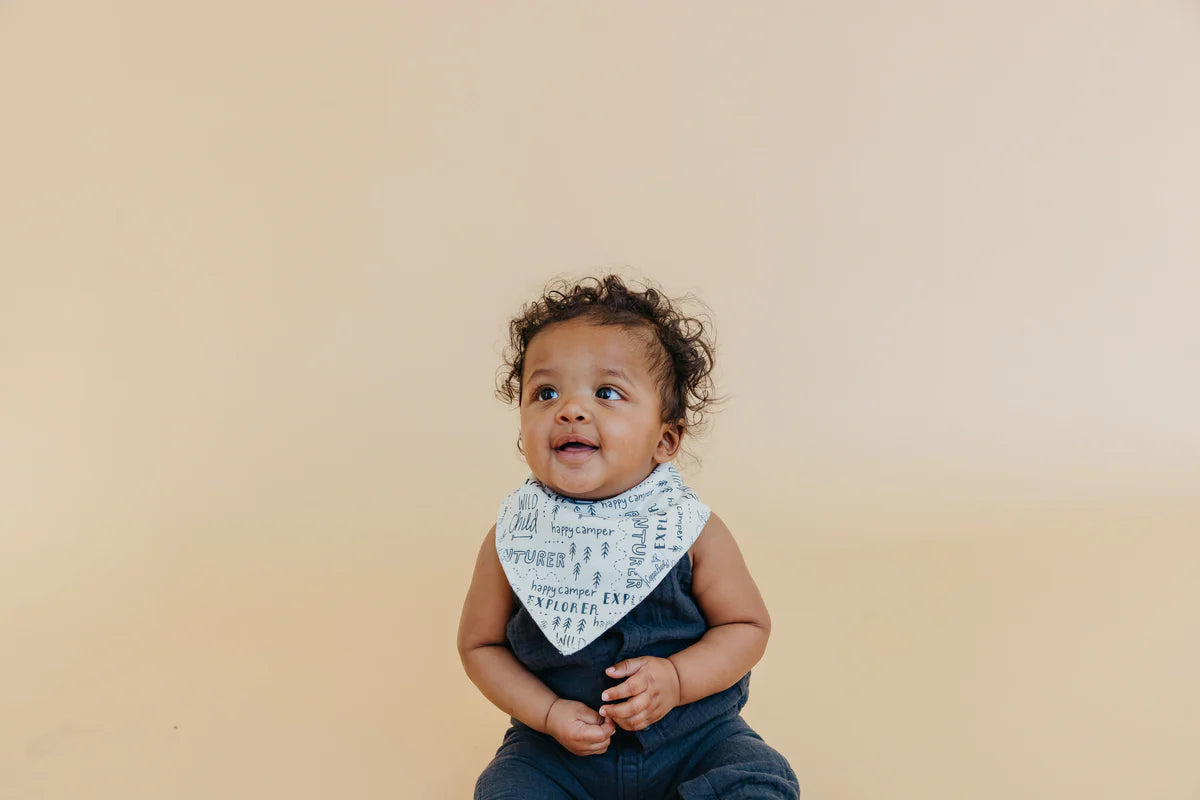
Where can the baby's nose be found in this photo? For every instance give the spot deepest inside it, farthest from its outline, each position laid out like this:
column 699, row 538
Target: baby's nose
column 572, row 410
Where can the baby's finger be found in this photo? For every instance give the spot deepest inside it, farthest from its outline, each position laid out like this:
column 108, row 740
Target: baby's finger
column 614, row 712
column 620, row 712
column 594, row 735
column 626, row 667
column 598, row 749
column 594, row 730
column 627, row 689
column 637, row 720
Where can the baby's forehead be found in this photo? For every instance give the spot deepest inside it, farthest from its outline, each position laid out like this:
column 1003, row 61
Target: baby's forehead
column 582, row 345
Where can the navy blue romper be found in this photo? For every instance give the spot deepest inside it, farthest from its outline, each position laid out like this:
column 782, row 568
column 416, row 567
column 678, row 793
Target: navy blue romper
column 698, row 750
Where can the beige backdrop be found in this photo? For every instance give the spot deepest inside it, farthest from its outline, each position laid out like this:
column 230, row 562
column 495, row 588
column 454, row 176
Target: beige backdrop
column 257, row 260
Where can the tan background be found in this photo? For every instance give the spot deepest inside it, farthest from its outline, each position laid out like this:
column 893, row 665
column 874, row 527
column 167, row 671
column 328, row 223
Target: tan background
column 257, row 263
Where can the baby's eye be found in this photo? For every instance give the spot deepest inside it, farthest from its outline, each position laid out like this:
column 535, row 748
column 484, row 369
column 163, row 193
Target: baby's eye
column 616, row 394
column 540, row 393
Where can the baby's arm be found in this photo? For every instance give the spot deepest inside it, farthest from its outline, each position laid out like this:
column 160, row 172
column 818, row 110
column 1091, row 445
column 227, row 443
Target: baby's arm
column 491, row 665
column 738, row 622
column 483, row 644
column 738, row 628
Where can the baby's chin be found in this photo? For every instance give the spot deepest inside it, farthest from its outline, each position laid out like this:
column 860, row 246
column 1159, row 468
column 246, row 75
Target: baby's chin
column 582, row 490
column 577, row 493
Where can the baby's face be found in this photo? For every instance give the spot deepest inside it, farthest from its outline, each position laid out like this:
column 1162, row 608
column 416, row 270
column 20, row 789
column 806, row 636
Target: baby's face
column 592, row 382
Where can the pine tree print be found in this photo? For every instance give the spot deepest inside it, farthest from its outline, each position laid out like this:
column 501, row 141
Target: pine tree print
column 596, row 580
column 572, row 549
column 556, row 621
column 576, row 570
column 587, row 554
column 604, row 550
column 580, row 628
column 567, row 624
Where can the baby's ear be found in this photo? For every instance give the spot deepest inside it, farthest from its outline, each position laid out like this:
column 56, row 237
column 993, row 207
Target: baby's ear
column 670, row 440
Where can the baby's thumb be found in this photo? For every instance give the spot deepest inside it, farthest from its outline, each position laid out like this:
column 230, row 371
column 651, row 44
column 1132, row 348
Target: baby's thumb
column 625, row 668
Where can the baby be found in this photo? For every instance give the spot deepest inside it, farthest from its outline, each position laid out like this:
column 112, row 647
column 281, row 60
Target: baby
column 611, row 614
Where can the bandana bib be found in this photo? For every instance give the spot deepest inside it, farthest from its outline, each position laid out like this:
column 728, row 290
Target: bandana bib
column 579, row 566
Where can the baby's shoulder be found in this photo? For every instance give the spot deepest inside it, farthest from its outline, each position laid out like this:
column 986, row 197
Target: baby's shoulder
column 713, row 543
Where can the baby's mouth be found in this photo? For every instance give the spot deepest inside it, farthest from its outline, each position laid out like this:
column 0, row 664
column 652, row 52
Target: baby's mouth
column 575, row 447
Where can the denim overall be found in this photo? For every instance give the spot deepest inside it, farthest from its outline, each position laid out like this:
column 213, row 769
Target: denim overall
column 698, row 750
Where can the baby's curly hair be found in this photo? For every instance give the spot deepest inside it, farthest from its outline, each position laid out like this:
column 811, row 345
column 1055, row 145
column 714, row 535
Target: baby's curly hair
column 680, row 351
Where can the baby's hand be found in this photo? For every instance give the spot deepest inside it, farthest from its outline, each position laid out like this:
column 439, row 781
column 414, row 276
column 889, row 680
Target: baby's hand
column 653, row 690
column 578, row 728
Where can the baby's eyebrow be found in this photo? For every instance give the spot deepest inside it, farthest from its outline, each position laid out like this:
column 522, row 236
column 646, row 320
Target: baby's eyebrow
column 616, row 373
column 609, row 371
